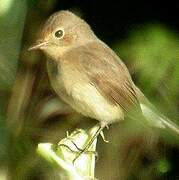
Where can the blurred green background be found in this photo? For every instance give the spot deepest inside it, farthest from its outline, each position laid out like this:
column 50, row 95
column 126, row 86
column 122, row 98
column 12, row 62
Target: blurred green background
column 144, row 35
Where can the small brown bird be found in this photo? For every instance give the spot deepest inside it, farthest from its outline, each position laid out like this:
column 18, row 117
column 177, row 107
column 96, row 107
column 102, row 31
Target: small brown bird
column 89, row 76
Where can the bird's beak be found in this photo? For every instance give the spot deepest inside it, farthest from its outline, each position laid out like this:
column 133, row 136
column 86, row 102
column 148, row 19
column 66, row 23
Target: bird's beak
column 38, row 45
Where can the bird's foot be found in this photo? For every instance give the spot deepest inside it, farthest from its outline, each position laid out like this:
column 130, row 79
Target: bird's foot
column 103, row 137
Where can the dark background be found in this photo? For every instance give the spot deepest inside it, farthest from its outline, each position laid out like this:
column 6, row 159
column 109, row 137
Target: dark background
column 113, row 19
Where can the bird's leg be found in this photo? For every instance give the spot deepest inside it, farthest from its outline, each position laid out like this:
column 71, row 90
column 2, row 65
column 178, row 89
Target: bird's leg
column 78, row 149
column 103, row 137
column 64, row 145
column 101, row 127
column 88, row 152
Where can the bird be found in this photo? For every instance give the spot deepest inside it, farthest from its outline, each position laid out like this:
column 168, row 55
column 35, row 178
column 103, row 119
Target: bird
column 88, row 75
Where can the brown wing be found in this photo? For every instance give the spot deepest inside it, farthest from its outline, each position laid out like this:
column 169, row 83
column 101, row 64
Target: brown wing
column 106, row 72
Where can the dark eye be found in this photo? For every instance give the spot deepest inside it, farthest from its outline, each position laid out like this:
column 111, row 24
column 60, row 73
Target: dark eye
column 59, row 33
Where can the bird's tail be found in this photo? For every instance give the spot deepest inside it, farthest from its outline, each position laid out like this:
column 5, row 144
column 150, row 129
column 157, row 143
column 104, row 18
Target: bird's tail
column 154, row 117
column 158, row 120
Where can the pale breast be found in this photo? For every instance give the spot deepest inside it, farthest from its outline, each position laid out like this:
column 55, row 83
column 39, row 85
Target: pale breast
column 56, row 80
column 76, row 90
column 88, row 101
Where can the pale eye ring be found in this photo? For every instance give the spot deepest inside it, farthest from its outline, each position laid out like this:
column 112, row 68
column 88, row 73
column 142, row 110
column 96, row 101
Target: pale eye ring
column 59, row 33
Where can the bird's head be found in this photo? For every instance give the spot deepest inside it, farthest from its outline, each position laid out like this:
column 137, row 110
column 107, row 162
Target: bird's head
column 61, row 32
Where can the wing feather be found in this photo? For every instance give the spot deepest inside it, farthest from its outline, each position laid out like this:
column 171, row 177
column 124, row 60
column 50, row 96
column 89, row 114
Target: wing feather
column 106, row 72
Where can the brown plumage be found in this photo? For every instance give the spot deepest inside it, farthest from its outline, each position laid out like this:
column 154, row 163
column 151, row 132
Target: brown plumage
column 105, row 71
column 89, row 76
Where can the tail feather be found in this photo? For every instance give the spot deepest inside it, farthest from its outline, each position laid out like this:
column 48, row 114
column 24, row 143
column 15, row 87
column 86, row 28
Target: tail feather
column 158, row 120
column 171, row 125
column 154, row 117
